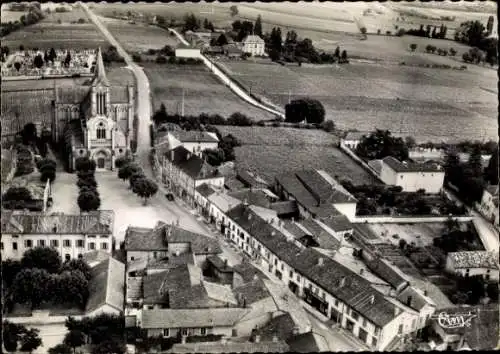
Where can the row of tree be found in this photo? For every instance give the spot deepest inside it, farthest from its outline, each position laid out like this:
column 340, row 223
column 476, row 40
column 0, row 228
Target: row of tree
column 16, row 336
column 88, row 197
column 33, row 16
column 306, row 110
column 429, row 31
column 440, row 51
column 138, row 182
column 225, row 150
column 380, row 144
column 474, row 34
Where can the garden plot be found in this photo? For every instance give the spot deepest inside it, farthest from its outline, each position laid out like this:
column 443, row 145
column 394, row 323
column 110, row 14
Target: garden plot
column 422, row 234
column 46, row 36
column 202, row 92
column 138, row 37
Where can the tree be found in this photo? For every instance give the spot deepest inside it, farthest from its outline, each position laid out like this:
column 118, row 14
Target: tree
column 145, row 188
column 410, row 142
column 135, row 177
column 10, row 268
column 491, row 171
column 60, row 349
column 128, row 170
column 214, row 157
column 234, row 10
column 239, row 119
column 16, row 198
column 67, row 59
column 413, row 47
column 89, row 201
column 42, row 258
column 77, row 264
column 30, row 285
column 28, row 134
column 48, row 174
column 88, row 182
column 122, row 160
column 30, row 340
column 328, row 126
column 258, row 26
column 221, row 40
column 191, row 23
column 307, row 109
column 17, row 65
column 380, row 144
column 38, row 61
column 85, row 164
column 52, row 54
column 74, row 338
column 452, row 52
column 475, row 162
column 343, row 57
column 10, row 335
column 73, row 287
column 46, row 163
column 160, row 115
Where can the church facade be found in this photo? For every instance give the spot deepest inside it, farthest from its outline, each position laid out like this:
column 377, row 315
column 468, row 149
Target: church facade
column 95, row 119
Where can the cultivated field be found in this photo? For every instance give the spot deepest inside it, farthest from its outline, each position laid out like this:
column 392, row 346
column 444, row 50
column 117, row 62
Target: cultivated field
column 140, row 37
column 48, row 35
column 429, row 104
column 270, row 151
column 72, row 16
column 203, row 93
column 11, row 16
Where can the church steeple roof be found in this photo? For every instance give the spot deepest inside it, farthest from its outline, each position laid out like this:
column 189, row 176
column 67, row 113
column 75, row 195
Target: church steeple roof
column 99, row 71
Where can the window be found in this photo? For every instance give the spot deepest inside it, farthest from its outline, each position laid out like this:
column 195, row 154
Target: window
column 184, row 332
column 276, row 262
column 66, row 243
column 132, row 258
column 28, row 243
column 101, row 131
column 166, row 332
column 282, row 266
column 80, row 256
column 364, row 322
column 41, row 243
column 54, row 243
column 104, row 246
column 374, row 341
column 400, row 329
column 91, row 245
column 354, row 315
column 363, row 335
column 401, row 176
column 67, row 256
column 79, row 243
column 1, row 247
column 377, row 331
column 298, row 277
column 291, row 274
column 336, row 303
column 14, row 246
column 203, row 331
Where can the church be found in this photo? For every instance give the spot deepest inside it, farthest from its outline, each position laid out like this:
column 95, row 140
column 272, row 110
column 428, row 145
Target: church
column 95, row 119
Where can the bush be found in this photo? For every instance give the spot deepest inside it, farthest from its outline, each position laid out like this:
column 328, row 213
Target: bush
column 160, row 59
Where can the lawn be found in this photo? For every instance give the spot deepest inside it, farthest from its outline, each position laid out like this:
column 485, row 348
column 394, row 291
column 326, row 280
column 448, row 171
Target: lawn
column 270, row 151
column 49, row 35
column 140, row 37
column 429, row 104
column 203, row 92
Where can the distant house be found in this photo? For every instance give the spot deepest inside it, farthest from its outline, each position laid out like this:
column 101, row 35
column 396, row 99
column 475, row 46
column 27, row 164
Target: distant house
column 489, row 204
column 41, row 193
column 232, row 51
column 71, row 235
column 412, row 176
column 317, row 194
column 194, row 141
column 184, row 51
column 352, row 139
column 183, row 171
column 106, row 288
column 470, row 263
column 254, row 45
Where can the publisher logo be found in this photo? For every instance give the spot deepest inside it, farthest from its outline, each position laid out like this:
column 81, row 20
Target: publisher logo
column 458, row 320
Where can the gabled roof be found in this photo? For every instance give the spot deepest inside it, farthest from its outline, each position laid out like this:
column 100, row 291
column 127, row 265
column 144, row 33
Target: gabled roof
column 205, row 190
column 387, row 272
column 286, row 207
column 415, row 298
column 195, row 136
column 354, row 290
column 248, row 272
column 230, row 347
column 252, row 196
column 106, row 287
column 219, row 264
column 281, row 326
column 191, row 318
column 253, row 39
column 100, row 71
column 223, row 201
column 191, row 164
column 222, row 293
column 98, row 222
column 309, row 342
column 402, row 167
column 338, row 223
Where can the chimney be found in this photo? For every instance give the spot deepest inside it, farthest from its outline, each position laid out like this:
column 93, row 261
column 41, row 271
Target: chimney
column 256, row 338
column 320, row 261
column 361, row 271
column 408, row 301
column 275, row 338
column 372, row 299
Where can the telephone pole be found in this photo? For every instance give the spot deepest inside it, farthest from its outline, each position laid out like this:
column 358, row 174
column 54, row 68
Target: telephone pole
column 182, row 106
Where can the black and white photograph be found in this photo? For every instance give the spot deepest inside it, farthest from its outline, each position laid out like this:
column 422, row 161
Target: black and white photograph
column 249, row 177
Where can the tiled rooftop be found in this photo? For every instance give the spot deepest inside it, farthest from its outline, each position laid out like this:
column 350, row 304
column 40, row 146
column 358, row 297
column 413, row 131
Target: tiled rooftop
column 387, row 272
column 356, row 292
column 191, row 318
column 99, row 222
column 399, row 166
column 107, row 285
column 194, row 136
column 193, row 165
column 230, row 347
column 205, row 190
column 474, row 259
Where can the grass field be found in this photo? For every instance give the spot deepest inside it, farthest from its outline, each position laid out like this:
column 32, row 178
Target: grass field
column 271, row 151
column 429, row 104
column 48, row 35
column 11, row 16
column 139, row 37
column 74, row 15
column 203, row 93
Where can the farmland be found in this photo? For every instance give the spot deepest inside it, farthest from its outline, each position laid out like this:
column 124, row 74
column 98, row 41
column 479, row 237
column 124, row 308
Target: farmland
column 11, row 16
column 139, row 37
column 71, row 16
column 203, row 93
column 429, row 104
column 271, row 151
column 48, row 35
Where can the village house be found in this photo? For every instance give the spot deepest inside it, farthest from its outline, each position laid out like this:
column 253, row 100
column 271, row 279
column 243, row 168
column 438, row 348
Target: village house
column 412, row 176
column 106, row 288
column 326, row 285
column 194, row 141
column 489, row 204
column 471, row 263
column 201, row 195
column 184, row 51
column 183, row 171
column 95, row 120
column 41, row 193
column 352, row 140
column 219, row 204
column 254, row 45
column 317, row 194
column 71, row 235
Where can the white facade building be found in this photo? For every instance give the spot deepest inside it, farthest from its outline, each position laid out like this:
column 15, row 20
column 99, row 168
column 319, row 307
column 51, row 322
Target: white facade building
column 412, row 177
column 471, row 263
column 254, row 45
column 71, row 235
column 352, row 140
column 489, row 204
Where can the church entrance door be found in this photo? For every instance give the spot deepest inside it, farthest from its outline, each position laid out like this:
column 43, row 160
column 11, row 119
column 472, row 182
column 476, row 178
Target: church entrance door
column 101, row 162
